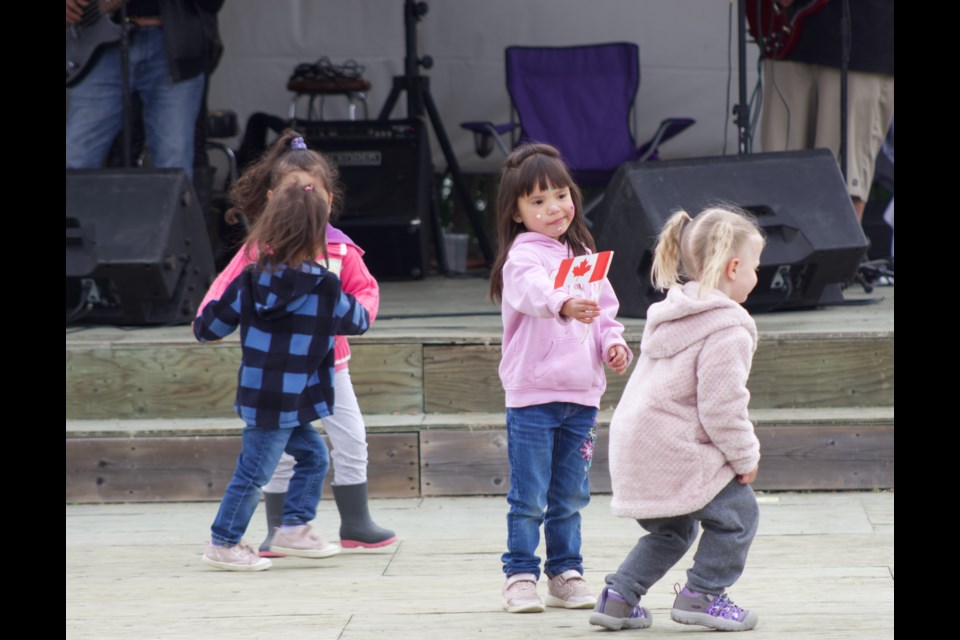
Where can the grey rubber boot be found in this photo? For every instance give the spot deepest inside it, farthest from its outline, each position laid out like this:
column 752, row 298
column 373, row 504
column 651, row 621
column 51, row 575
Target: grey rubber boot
column 274, row 506
column 357, row 528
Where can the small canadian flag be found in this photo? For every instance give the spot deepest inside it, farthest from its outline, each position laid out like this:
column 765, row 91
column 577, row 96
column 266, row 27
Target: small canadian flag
column 583, row 269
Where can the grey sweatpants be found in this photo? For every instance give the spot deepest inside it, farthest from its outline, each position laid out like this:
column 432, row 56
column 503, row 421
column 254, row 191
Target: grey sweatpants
column 729, row 523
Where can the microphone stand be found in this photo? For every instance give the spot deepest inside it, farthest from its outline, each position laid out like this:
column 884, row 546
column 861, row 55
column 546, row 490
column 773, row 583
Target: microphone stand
column 125, row 83
column 741, row 109
column 419, row 100
column 844, row 60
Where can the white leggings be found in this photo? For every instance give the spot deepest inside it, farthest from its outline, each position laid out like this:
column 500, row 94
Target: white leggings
column 348, row 435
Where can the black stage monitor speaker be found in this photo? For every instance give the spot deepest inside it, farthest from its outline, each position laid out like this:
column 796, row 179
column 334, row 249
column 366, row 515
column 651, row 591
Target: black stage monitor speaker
column 137, row 247
column 387, row 174
column 814, row 242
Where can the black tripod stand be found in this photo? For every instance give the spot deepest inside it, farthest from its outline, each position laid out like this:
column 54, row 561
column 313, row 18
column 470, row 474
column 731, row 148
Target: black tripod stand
column 418, row 99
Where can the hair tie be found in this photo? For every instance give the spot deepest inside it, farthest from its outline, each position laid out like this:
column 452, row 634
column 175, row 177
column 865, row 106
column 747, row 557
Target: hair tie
column 298, row 144
column 308, row 187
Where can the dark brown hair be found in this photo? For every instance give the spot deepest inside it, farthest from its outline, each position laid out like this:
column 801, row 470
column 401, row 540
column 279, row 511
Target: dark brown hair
column 248, row 195
column 528, row 167
column 292, row 228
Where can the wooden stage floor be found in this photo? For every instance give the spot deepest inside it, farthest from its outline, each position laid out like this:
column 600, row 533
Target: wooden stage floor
column 821, row 567
column 456, row 308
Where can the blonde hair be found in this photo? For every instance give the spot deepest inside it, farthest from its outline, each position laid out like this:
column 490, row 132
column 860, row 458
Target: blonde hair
column 699, row 248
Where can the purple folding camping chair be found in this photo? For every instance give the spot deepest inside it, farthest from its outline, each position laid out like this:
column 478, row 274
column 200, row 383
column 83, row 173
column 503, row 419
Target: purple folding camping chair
column 580, row 99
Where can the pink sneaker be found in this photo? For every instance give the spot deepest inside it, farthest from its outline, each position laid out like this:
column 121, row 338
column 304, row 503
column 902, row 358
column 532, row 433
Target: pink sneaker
column 520, row 594
column 569, row 590
column 303, row 543
column 239, row 557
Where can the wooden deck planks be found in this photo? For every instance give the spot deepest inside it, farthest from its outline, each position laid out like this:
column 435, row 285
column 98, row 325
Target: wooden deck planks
column 456, row 462
column 133, row 571
column 187, row 468
column 388, row 378
column 161, row 377
column 826, row 372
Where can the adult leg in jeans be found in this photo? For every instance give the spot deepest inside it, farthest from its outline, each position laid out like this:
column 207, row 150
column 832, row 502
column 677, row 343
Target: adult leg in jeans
column 95, row 112
column 169, row 108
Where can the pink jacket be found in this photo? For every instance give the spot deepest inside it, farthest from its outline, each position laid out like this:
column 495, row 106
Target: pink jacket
column 544, row 357
column 681, row 432
column 346, row 260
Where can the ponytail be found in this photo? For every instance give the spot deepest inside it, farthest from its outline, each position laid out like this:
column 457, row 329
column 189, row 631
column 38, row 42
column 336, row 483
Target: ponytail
column 665, row 272
column 699, row 248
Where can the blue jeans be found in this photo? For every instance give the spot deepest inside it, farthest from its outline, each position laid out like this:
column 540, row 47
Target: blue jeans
column 95, row 112
column 261, row 451
column 550, row 447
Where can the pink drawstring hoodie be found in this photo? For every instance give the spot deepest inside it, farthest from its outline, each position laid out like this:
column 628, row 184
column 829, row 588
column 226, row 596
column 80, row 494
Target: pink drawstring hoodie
column 346, row 260
column 545, row 358
column 680, row 432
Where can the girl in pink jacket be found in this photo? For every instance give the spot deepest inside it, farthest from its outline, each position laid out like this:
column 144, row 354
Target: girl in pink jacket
column 552, row 373
column 289, row 160
column 682, row 449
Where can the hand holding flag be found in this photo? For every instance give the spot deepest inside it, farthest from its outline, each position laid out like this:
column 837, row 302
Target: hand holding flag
column 582, row 272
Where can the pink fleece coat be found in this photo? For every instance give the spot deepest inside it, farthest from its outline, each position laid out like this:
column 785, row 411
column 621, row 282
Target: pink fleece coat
column 681, row 431
column 346, row 260
column 545, row 356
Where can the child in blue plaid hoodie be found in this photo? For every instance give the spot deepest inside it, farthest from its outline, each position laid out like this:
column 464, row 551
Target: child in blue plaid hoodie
column 288, row 309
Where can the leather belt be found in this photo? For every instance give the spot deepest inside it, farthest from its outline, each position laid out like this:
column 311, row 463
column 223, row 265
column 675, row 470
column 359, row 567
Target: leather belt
column 145, row 21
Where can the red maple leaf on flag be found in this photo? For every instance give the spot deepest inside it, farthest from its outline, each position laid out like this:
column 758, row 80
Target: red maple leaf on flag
column 581, row 268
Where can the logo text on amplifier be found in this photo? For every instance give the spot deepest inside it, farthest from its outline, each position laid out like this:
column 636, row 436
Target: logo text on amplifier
column 356, row 158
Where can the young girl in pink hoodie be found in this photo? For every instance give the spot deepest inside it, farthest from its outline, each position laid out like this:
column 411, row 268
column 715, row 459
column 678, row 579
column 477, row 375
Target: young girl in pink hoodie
column 552, row 373
column 682, row 449
column 289, row 160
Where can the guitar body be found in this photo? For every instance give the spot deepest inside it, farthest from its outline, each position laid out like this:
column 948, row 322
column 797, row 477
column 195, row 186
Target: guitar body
column 776, row 29
column 86, row 37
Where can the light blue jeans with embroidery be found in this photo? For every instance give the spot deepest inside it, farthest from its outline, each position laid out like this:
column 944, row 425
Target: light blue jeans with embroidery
column 550, row 447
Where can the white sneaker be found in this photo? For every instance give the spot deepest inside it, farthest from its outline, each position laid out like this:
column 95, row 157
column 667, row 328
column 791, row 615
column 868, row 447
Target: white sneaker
column 520, row 594
column 302, row 542
column 239, row 557
column 569, row 590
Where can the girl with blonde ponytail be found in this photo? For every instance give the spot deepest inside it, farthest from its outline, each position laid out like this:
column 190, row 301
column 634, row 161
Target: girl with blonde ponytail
column 682, row 448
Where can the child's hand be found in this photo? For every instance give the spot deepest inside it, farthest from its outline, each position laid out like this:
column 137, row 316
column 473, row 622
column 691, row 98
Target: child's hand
column 583, row 310
column 747, row 478
column 617, row 358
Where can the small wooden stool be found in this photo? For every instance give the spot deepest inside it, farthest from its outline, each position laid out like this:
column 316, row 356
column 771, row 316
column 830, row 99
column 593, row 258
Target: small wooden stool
column 354, row 89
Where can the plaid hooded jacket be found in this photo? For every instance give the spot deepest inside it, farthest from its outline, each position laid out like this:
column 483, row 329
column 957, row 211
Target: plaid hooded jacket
column 288, row 318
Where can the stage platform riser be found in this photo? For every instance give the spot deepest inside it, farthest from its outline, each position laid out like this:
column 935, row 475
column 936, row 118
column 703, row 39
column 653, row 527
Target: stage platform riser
column 199, row 381
column 815, row 454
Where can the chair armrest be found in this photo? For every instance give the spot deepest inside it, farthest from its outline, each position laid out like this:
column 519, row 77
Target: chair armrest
column 486, row 134
column 668, row 129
